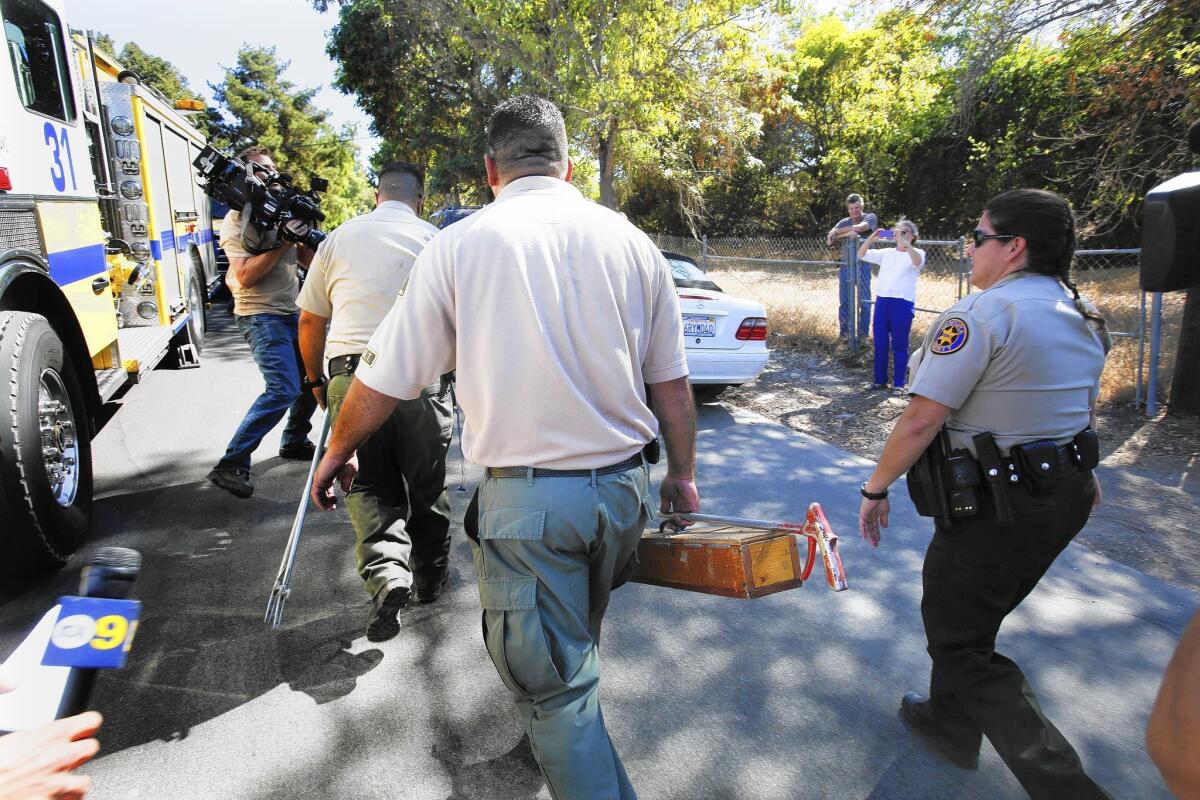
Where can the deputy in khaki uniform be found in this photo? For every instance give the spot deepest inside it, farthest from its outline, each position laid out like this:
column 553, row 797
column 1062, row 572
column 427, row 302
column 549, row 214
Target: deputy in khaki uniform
column 398, row 504
column 1012, row 373
column 556, row 313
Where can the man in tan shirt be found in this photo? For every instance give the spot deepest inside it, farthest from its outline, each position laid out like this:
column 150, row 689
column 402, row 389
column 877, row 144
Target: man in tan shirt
column 264, row 286
column 557, row 313
column 398, row 505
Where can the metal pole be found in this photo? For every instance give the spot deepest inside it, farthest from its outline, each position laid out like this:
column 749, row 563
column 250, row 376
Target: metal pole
column 704, row 250
column 962, row 260
column 1137, row 395
column 851, row 255
column 1155, row 346
column 283, row 580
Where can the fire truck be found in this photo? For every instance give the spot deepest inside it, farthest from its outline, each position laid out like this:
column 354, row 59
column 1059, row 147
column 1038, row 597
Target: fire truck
column 106, row 261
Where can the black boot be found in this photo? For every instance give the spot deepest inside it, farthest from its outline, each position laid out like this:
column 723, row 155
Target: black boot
column 950, row 738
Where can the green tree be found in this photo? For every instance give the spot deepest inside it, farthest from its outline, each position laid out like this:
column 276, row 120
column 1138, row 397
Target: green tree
column 155, row 72
column 258, row 106
column 628, row 75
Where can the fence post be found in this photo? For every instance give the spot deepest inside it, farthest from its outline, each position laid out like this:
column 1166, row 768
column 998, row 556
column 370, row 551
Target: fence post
column 704, row 250
column 1155, row 346
column 850, row 291
column 962, row 260
column 1137, row 393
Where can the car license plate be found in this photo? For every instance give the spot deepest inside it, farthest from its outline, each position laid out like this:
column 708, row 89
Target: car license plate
column 699, row 326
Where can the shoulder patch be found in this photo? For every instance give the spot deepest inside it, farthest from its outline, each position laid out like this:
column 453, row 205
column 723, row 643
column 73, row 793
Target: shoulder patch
column 951, row 337
column 368, row 356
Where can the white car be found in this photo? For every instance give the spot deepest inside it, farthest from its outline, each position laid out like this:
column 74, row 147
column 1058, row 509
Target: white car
column 725, row 336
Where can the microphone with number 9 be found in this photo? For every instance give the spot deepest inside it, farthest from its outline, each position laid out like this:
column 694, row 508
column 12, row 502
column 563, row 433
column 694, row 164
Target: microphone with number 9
column 110, row 576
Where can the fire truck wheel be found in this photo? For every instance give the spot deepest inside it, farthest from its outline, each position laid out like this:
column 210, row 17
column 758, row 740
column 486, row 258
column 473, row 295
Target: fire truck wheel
column 45, row 447
column 197, row 321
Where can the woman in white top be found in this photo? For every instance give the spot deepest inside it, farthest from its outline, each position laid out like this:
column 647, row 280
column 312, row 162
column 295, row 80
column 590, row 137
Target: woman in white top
column 895, row 298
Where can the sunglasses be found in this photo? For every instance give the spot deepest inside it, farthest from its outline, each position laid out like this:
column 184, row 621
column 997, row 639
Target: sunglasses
column 979, row 237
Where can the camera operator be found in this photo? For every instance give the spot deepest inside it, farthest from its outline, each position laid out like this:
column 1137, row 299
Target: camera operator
column 356, row 276
column 264, row 288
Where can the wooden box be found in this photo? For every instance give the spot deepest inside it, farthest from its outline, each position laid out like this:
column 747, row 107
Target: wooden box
column 720, row 559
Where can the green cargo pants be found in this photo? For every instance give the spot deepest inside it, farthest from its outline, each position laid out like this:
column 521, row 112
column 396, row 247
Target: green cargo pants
column 548, row 551
column 398, row 504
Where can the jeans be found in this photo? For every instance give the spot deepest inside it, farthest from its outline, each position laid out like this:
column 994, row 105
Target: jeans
column 274, row 343
column 846, row 283
column 893, row 324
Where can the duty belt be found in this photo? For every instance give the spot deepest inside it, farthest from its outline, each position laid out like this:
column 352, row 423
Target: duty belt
column 634, row 460
column 343, row 365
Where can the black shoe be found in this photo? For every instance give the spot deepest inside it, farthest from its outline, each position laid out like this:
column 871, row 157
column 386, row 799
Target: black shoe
column 430, row 594
column 955, row 746
column 384, row 623
column 234, row 480
column 299, row 452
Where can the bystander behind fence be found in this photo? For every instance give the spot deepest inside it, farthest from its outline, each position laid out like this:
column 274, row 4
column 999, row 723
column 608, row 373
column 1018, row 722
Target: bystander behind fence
column 797, row 280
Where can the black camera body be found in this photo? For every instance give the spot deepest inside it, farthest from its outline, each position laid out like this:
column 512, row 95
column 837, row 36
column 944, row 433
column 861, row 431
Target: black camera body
column 275, row 205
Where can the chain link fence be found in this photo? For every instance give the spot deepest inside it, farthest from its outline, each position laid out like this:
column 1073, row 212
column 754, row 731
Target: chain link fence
column 809, row 290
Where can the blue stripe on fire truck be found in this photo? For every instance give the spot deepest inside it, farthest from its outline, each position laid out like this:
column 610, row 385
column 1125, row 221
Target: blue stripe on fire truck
column 68, row 266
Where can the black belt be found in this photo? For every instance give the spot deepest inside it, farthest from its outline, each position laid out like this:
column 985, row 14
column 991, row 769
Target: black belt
column 343, row 365
column 634, row 460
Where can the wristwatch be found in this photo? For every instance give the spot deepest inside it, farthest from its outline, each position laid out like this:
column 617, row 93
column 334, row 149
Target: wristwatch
column 872, row 495
column 308, row 384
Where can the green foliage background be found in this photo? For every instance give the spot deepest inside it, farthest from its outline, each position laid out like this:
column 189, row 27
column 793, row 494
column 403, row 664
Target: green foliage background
column 739, row 117
column 749, row 117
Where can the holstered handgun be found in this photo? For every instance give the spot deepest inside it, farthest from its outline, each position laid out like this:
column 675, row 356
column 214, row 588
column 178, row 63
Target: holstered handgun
column 927, row 485
column 994, row 475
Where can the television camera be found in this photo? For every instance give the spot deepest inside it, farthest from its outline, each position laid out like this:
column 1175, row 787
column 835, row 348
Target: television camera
column 269, row 201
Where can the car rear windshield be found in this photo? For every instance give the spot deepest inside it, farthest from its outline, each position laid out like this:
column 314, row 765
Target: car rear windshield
column 689, row 276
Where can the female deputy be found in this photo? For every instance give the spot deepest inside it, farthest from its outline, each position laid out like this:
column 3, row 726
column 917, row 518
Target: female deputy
column 895, row 298
column 1012, row 374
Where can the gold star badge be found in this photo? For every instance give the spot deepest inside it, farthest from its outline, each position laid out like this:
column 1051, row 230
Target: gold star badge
column 950, row 338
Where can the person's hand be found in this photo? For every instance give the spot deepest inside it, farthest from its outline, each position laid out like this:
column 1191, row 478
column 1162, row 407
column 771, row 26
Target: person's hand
column 1099, row 498
column 829, row 238
column 333, row 468
column 679, row 495
column 37, row 764
column 319, row 395
column 872, row 515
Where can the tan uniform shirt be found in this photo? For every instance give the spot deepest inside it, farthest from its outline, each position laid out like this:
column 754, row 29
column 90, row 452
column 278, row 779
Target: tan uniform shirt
column 358, row 271
column 276, row 292
column 1018, row 360
column 555, row 311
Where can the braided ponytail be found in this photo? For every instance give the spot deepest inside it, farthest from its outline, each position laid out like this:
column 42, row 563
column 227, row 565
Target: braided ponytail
column 1046, row 223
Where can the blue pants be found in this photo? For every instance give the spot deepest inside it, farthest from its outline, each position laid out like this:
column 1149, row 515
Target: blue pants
column 893, row 324
column 548, row 551
column 274, row 343
column 846, row 281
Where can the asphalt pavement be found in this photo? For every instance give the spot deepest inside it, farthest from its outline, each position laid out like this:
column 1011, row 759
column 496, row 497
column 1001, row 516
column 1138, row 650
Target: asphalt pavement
column 790, row 696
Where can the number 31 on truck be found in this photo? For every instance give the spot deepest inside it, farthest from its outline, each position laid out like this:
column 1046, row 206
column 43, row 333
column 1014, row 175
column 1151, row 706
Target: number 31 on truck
column 106, row 262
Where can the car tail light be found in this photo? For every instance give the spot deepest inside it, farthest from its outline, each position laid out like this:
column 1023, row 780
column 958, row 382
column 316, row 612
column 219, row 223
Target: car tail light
column 693, row 297
column 5, row 181
column 752, row 329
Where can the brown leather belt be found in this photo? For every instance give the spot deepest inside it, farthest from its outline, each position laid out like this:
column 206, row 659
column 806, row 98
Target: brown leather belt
column 634, row 460
column 343, row 365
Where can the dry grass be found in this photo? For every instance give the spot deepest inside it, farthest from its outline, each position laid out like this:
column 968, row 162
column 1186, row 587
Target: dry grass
column 802, row 307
